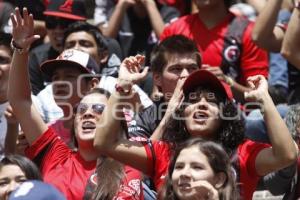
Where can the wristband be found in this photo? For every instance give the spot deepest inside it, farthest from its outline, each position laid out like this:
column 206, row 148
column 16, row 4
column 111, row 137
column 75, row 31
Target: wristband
column 121, row 90
column 18, row 49
column 229, row 80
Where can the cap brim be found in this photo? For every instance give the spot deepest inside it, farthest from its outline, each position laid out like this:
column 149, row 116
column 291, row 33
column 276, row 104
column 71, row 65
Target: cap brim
column 64, row 15
column 206, row 79
column 49, row 66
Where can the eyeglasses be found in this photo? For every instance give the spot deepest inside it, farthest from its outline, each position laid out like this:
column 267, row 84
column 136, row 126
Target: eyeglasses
column 52, row 22
column 83, row 107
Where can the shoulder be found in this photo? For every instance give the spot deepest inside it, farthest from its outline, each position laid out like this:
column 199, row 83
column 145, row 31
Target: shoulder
column 41, row 48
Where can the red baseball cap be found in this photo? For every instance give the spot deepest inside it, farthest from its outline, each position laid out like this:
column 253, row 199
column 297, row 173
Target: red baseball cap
column 205, row 78
column 69, row 9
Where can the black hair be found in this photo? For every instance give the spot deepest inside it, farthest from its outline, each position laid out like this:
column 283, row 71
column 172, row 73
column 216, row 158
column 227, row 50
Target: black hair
column 5, row 40
column 30, row 170
column 102, row 44
column 176, row 44
column 230, row 133
column 218, row 160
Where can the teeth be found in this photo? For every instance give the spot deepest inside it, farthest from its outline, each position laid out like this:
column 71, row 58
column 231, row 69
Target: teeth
column 200, row 116
column 88, row 125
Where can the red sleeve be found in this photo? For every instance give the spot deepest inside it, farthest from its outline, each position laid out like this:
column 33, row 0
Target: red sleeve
column 158, row 161
column 48, row 150
column 247, row 156
column 131, row 186
column 254, row 60
column 150, row 160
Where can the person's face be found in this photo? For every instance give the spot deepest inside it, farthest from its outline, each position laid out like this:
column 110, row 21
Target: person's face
column 5, row 60
column 178, row 67
column 11, row 176
column 83, row 41
column 88, row 114
column 191, row 165
column 56, row 27
column 68, row 86
column 202, row 115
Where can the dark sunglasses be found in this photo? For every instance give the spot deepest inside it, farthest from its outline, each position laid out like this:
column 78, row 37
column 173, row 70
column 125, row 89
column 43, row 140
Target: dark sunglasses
column 83, row 107
column 52, row 22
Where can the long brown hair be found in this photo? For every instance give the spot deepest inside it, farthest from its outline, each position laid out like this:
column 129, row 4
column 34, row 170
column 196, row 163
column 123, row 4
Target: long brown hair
column 219, row 162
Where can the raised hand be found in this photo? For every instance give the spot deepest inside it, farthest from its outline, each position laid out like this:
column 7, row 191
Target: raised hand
column 22, row 31
column 130, row 70
column 259, row 88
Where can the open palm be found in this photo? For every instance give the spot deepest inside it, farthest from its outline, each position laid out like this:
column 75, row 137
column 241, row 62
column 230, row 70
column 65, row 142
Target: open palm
column 22, row 31
column 130, row 69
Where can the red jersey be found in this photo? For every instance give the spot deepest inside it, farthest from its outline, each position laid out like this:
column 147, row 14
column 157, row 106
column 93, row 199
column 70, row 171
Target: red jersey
column 60, row 166
column 210, row 42
column 246, row 151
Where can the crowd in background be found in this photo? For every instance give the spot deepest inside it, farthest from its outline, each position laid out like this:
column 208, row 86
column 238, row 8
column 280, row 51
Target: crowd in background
column 149, row 99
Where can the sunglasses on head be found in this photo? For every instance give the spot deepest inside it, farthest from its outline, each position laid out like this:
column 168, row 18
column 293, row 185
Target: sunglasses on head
column 83, row 107
column 53, row 22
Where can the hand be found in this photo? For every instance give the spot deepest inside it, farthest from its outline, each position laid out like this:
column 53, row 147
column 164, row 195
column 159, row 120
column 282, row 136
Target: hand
column 216, row 70
column 22, row 31
column 259, row 88
column 10, row 116
column 177, row 97
column 129, row 72
column 204, row 189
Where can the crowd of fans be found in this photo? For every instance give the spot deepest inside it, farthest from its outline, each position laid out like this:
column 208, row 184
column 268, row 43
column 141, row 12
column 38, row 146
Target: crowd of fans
column 149, row 99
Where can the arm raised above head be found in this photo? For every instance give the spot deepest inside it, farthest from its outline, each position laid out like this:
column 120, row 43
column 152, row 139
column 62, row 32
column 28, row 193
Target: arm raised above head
column 265, row 34
column 19, row 92
column 291, row 42
column 107, row 139
column 284, row 150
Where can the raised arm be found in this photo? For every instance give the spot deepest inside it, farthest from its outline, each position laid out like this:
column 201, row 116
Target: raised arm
column 265, row 34
column 284, row 150
column 291, row 43
column 19, row 87
column 107, row 140
column 154, row 16
column 116, row 18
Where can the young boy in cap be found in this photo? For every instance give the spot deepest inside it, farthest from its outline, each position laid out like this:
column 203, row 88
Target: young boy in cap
column 58, row 15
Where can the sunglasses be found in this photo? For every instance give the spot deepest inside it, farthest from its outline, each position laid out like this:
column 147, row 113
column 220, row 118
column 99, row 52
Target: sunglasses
column 83, row 107
column 52, row 22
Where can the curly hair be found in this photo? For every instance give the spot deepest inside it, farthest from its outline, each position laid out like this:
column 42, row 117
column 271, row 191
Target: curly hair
column 219, row 162
column 230, row 134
